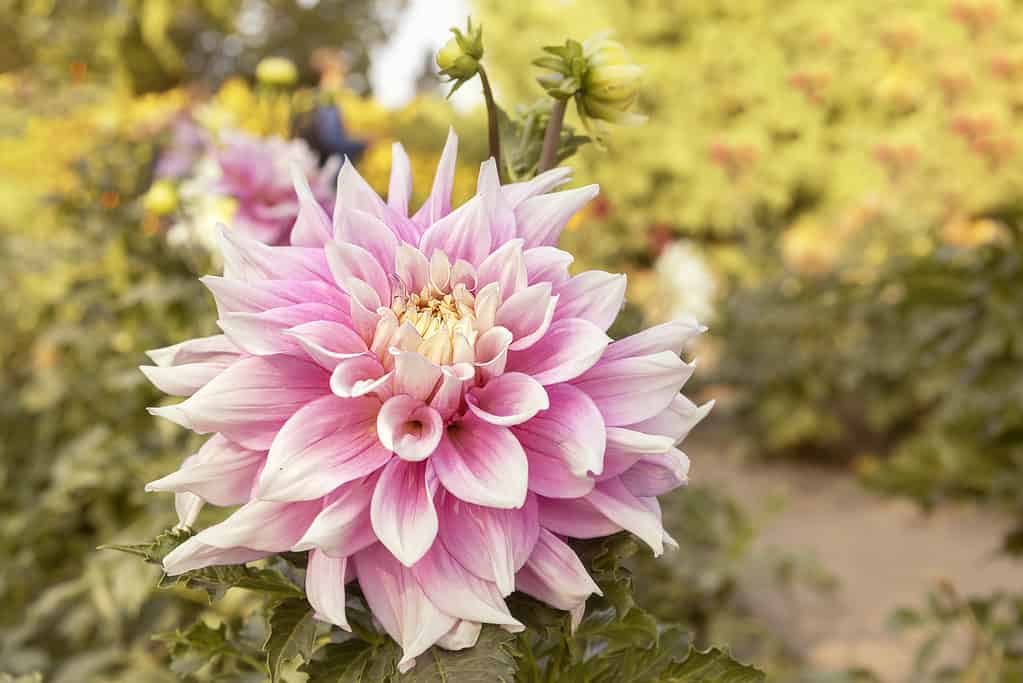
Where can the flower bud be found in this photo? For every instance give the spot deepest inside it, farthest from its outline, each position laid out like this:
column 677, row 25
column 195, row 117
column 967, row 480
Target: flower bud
column 460, row 57
column 161, row 199
column 277, row 71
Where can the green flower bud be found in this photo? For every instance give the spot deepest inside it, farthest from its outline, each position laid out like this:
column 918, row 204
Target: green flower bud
column 460, row 57
column 276, row 71
column 161, row 199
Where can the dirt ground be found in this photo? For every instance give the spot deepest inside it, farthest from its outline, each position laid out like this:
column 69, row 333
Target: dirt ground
column 883, row 552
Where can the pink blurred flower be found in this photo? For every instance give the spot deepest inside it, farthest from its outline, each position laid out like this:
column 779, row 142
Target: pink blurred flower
column 430, row 405
column 257, row 174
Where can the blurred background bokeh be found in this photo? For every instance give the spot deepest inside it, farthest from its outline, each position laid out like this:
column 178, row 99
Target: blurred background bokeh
column 835, row 188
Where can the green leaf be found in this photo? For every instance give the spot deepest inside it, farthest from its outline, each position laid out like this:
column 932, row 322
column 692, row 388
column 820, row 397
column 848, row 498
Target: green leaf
column 353, row 661
column 292, row 630
column 489, row 661
column 713, row 666
column 155, row 550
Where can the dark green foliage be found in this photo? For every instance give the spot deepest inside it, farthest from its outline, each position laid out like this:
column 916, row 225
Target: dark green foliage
column 292, row 630
column 522, row 139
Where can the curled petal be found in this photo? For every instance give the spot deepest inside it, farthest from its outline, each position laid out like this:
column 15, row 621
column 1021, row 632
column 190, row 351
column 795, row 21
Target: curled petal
column 528, row 314
column 510, row 399
column 412, row 268
column 492, row 352
column 409, row 427
column 402, row 510
column 328, row 343
column 358, row 376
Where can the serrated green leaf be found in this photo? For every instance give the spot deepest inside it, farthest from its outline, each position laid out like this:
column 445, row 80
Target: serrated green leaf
column 292, row 630
column 217, row 579
column 341, row 662
column 489, row 661
column 713, row 666
column 155, row 550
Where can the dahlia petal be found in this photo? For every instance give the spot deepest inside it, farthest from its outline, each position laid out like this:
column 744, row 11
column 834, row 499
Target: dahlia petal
column 262, row 334
column 670, row 336
column 631, row 390
column 528, row 314
column 358, row 376
column 492, row 352
column 500, row 213
column 440, row 270
column 402, row 510
column 546, row 264
column 555, row 575
column 482, row 463
column 399, row 190
column 506, row 267
column 414, row 375
column 412, row 268
column 187, row 506
column 370, row 233
column 492, row 544
column 328, row 343
column 488, row 299
column 575, row 518
column 462, row 635
column 200, row 350
column 259, row 527
column 325, row 588
column 462, row 273
column 400, row 605
column 460, row 593
column 312, row 225
column 250, row 400
column 657, row 474
column 438, row 204
column 355, row 194
column 236, row 296
column 354, row 267
column 247, row 259
column 510, row 399
column 570, row 348
column 637, row 441
column 676, row 421
column 462, row 234
column 616, row 502
column 541, row 219
column 448, row 397
column 409, row 427
column 343, row 527
column 221, row 473
column 185, row 379
column 327, row 443
column 516, row 193
column 593, row 295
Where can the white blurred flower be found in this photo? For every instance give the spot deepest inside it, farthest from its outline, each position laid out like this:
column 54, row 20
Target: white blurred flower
column 687, row 283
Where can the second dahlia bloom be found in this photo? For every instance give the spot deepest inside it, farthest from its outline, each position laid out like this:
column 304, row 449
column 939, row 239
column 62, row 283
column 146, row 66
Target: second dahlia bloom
column 429, row 404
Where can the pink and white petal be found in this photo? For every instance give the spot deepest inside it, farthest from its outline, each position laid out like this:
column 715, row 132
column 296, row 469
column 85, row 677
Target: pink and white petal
column 613, row 500
column 187, row 506
column 570, row 348
column 184, row 379
column 670, row 336
column 414, row 375
column 221, row 473
column 399, row 604
column 370, row 233
column 657, row 474
column 236, row 296
column 448, row 397
column 492, row 352
column 358, row 376
column 631, row 390
column 328, row 343
column 462, row 636
column 463, row 274
column 637, row 441
column 325, row 588
column 575, row 518
column 409, row 427
column 343, row 527
column 350, row 265
column 571, row 431
column 492, row 544
column 312, row 226
column 438, row 204
column 516, row 193
column 488, row 299
column 458, row 592
column 549, row 473
column 510, row 399
column 255, row 529
column 500, row 213
column 262, row 334
column 483, row 464
column 593, row 295
column 677, row 420
column 547, row 264
column 555, row 575
column 541, row 219
column 462, row 234
column 402, row 510
column 528, row 314
column 201, row 350
column 327, row 443
column 399, row 189
column 412, row 268
column 249, row 401
column 355, row 194
column 248, row 259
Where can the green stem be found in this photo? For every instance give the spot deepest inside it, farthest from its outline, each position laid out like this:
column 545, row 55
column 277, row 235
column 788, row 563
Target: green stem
column 552, row 137
column 493, row 131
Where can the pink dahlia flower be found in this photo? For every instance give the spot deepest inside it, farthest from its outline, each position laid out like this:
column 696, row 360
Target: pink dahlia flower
column 258, row 174
column 430, row 405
